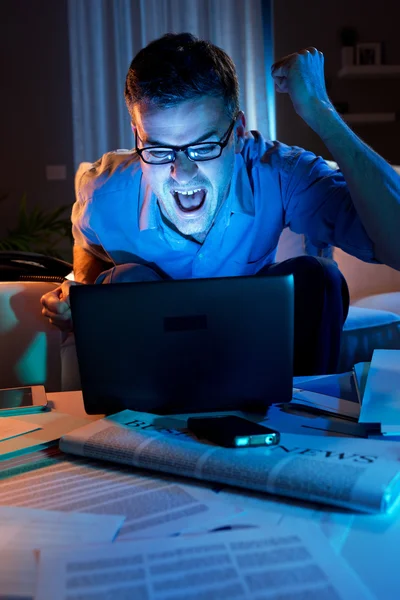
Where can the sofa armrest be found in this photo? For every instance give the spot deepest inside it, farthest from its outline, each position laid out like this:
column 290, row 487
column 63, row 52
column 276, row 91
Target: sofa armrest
column 365, row 279
column 29, row 345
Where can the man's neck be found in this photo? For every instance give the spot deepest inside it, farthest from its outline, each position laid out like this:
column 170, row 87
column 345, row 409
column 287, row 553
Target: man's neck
column 197, row 237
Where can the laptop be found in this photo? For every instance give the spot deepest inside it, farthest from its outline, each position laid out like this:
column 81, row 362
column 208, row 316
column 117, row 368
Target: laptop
column 185, row 346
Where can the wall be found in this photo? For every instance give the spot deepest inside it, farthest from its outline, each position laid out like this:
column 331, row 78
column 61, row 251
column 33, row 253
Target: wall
column 35, row 103
column 299, row 24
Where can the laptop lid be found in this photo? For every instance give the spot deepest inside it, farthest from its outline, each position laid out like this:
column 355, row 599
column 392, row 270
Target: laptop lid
column 182, row 346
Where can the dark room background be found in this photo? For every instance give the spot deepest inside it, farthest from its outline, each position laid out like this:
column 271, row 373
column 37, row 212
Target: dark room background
column 36, row 140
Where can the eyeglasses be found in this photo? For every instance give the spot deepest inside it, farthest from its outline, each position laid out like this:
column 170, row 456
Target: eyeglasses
column 159, row 155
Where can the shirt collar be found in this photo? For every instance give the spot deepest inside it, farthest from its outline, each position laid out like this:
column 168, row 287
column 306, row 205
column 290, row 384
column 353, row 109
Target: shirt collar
column 240, row 198
column 149, row 212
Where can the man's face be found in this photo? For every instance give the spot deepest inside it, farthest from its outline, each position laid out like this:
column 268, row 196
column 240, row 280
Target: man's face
column 190, row 122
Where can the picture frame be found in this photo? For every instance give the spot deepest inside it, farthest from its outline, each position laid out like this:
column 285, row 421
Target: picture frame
column 369, row 53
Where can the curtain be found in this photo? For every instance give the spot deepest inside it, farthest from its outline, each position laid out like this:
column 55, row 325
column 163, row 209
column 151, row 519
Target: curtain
column 106, row 34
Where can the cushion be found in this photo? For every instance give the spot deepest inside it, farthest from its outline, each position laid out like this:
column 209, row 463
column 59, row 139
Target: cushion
column 389, row 302
column 365, row 279
column 365, row 330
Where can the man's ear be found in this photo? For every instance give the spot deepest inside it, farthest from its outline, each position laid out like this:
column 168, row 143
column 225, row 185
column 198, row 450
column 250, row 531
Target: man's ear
column 239, row 131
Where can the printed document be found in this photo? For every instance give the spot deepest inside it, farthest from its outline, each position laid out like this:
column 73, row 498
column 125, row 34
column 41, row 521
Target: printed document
column 152, row 504
column 250, row 564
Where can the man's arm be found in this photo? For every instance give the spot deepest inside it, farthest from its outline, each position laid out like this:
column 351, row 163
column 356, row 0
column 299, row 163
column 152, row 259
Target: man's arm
column 86, row 266
column 56, row 304
column 373, row 184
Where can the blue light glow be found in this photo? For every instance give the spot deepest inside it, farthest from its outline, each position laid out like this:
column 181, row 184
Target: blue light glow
column 242, row 441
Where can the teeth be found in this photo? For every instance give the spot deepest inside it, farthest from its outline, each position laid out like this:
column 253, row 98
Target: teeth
column 189, row 193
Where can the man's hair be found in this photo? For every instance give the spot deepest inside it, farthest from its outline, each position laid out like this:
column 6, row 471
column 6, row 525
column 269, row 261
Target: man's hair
column 179, row 67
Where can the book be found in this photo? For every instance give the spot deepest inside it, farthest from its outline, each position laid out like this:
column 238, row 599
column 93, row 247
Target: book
column 353, row 473
column 43, row 429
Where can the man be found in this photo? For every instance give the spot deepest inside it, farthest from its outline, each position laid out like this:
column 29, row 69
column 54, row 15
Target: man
column 201, row 198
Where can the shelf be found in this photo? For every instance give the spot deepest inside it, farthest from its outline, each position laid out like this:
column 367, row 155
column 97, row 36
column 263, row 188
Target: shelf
column 369, row 117
column 369, row 71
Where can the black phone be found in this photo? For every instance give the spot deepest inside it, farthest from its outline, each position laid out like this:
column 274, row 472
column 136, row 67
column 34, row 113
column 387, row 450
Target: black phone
column 30, row 266
column 232, row 432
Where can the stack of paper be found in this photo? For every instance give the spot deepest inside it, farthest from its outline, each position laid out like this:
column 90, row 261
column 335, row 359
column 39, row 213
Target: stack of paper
column 325, row 404
column 27, row 433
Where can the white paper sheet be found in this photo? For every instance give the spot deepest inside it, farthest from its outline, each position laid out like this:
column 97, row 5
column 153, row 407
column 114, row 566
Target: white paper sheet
column 11, row 427
column 23, row 530
column 32, row 526
column 372, row 549
column 265, row 563
column 381, row 401
column 259, row 509
column 368, row 543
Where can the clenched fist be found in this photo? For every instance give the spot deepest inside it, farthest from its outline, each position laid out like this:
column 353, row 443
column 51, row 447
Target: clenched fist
column 301, row 75
column 56, row 306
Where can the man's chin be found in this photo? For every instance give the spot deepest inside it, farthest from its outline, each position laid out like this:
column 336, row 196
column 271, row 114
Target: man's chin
column 191, row 229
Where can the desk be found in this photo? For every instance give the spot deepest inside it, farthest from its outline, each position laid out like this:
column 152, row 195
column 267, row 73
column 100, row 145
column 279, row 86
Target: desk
column 369, row 543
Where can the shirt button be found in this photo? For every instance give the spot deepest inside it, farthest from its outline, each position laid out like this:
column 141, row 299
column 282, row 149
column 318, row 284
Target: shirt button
column 201, row 255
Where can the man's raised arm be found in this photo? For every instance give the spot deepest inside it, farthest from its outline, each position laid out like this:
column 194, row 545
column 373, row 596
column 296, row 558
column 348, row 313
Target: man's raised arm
column 373, row 184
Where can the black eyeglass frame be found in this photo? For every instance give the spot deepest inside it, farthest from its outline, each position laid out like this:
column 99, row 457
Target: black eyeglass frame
column 222, row 144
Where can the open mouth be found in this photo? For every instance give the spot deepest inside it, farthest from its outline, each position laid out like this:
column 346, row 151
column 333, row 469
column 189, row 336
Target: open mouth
column 189, row 201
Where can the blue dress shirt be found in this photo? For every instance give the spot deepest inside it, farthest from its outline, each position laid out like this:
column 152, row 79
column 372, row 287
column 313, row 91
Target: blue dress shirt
column 116, row 216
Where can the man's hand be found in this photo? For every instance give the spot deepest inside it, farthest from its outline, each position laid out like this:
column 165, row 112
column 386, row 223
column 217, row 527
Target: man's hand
column 301, row 75
column 56, row 306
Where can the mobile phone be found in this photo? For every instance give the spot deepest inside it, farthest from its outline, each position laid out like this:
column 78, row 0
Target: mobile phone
column 22, row 400
column 232, row 432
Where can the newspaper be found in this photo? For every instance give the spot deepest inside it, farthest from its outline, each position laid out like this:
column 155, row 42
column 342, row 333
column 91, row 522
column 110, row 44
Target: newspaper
column 352, row 473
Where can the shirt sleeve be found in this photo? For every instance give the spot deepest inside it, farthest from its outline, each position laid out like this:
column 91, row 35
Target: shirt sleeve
column 83, row 234
column 317, row 203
